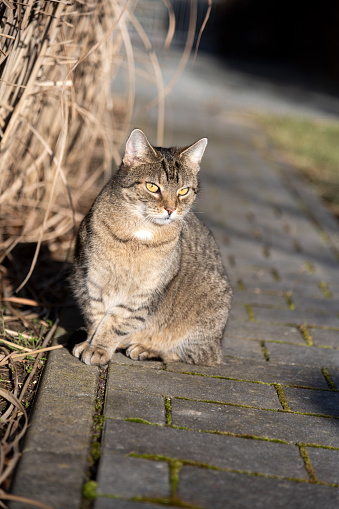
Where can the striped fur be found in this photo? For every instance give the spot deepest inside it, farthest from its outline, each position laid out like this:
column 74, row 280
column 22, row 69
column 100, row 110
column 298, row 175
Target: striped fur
column 150, row 281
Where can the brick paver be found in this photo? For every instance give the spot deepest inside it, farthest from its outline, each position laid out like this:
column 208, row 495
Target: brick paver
column 261, row 430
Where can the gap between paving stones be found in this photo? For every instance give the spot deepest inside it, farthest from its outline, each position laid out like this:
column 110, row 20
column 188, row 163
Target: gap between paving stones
column 200, row 464
column 277, row 386
column 332, row 387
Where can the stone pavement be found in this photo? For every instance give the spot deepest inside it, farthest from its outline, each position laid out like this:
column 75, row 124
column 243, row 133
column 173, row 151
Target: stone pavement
column 262, row 429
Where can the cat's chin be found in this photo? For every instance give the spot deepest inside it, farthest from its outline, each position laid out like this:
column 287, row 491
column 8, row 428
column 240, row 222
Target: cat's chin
column 163, row 220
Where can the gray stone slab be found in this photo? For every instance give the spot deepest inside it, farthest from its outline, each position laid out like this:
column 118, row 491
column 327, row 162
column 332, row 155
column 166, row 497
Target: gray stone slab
column 219, row 490
column 310, row 401
column 192, row 387
column 238, row 313
column 323, row 304
column 132, row 477
column 283, row 285
column 243, row 348
column 320, row 319
column 125, row 404
column 306, row 355
column 216, row 450
column 256, row 280
column 268, row 372
column 292, row 428
column 66, row 376
column 262, row 331
column 60, row 426
column 59, row 433
column 323, row 337
column 325, row 463
column 259, row 299
column 52, row 479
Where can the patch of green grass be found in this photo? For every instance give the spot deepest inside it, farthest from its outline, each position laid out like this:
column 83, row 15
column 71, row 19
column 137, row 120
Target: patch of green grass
column 311, row 146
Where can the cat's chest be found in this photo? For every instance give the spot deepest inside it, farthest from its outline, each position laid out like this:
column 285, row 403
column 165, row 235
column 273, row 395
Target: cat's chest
column 125, row 273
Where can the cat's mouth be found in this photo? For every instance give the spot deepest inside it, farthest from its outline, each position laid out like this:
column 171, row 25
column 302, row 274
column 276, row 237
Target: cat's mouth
column 163, row 220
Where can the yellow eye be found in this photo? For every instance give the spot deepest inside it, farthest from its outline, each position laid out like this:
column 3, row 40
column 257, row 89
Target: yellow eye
column 152, row 187
column 183, row 191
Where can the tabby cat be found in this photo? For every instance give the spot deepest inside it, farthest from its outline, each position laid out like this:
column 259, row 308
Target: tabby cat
column 148, row 274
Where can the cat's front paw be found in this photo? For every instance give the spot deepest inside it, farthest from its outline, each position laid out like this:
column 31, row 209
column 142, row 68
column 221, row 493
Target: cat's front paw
column 79, row 348
column 140, row 353
column 91, row 355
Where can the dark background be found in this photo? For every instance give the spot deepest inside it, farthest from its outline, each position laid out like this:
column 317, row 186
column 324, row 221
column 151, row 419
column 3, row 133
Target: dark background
column 294, row 34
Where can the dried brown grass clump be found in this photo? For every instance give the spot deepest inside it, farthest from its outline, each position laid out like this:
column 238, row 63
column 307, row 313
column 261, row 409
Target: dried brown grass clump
column 59, row 125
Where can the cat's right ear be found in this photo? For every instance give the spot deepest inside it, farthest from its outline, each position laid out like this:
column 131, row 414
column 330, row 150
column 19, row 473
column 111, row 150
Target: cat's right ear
column 138, row 149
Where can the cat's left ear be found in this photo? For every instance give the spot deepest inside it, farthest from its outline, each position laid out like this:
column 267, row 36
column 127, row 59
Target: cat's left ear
column 192, row 155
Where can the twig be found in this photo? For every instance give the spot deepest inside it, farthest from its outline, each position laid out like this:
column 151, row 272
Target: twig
column 34, row 352
column 21, row 300
column 14, row 345
column 25, row 500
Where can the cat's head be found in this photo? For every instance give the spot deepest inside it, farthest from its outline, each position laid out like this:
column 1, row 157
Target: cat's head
column 162, row 183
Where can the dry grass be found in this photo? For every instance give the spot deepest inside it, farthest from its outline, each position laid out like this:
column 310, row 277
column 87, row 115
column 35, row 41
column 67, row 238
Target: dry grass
column 61, row 126
column 57, row 118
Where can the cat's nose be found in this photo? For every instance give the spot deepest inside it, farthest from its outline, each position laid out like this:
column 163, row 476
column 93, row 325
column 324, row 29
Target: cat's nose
column 170, row 211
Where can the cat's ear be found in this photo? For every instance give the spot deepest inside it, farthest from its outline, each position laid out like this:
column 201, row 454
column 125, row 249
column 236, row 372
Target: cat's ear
column 138, row 149
column 193, row 154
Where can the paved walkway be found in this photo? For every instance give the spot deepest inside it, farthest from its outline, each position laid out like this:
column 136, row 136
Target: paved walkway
column 262, row 429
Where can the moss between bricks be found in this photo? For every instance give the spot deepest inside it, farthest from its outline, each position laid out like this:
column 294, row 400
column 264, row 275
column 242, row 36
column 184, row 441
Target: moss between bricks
column 289, row 301
column 258, row 382
column 90, row 485
column 296, row 325
column 308, row 465
column 236, row 435
column 250, row 312
column 275, row 275
column 329, row 379
column 175, row 467
column 310, row 267
column 89, row 490
column 306, row 335
column 324, row 288
column 168, row 411
column 311, row 414
column 192, row 463
column 141, row 421
column 282, row 397
column 241, row 285
column 167, row 501
column 264, row 350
